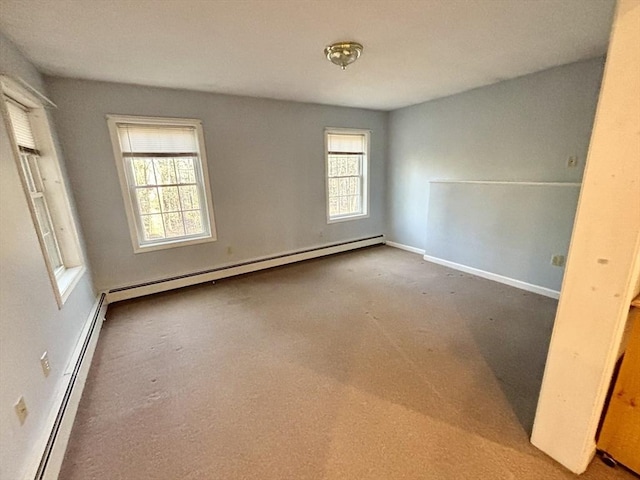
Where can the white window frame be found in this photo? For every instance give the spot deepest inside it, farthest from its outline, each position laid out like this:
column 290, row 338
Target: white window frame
column 47, row 184
column 127, row 184
column 365, row 173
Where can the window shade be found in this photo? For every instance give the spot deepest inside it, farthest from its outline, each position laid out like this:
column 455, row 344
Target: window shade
column 151, row 139
column 345, row 143
column 21, row 125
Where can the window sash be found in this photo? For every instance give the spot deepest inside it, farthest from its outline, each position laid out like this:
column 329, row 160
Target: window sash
column 144, row 236
column 334, row 156
column 45, row 226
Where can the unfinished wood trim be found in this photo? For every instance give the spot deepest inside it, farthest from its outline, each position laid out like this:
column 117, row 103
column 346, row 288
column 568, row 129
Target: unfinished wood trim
column 620, row 435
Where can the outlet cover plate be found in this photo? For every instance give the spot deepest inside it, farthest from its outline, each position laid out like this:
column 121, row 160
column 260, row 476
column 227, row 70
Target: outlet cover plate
column 44, row 363
column 21, row 410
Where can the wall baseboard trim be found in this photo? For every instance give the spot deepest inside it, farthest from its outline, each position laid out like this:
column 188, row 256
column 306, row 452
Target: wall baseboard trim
column 402, row 246
column 529, row 287
column 133, row 291
column 66, row 405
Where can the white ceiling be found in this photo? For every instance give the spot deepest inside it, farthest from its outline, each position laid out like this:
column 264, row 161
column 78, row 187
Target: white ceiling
column 414, row 50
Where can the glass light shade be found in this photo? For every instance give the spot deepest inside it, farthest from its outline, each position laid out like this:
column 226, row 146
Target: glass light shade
column 343, row 53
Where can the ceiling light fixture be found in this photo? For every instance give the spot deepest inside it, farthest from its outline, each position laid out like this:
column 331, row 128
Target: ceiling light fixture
column 343, row 53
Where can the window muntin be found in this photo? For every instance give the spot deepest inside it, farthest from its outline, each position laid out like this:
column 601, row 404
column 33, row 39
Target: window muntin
column 165, row 184
column 347, row 165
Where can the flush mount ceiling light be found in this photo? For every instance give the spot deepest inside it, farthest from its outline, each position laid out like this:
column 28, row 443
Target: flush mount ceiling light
column 343, row 53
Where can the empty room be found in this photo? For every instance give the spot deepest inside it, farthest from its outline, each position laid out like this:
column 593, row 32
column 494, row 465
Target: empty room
column 319, row 239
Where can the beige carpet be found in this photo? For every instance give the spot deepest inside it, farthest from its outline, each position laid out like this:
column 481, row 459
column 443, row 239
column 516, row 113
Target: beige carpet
column 367, row 365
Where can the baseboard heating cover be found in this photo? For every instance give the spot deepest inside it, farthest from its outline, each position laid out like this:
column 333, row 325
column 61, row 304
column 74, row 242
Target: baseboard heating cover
column 77, row 370
column 148, row 288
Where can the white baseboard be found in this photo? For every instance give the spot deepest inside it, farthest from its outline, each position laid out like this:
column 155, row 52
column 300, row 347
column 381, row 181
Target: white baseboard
column 401, row 246
column 255, row 265
column 547, row 292
column 53, row 445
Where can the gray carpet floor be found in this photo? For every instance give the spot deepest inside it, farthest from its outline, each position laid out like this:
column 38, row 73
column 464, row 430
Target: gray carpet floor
column 372, row 364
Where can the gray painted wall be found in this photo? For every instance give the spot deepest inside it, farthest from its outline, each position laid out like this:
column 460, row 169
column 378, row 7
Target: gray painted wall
column 483, row 226
column 266, row 165
column 518, row 130
column 30, row 321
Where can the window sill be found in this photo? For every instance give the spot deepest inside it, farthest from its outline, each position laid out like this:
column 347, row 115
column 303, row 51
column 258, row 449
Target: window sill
column 67, row 281
column 347, row 218
column 172, row 244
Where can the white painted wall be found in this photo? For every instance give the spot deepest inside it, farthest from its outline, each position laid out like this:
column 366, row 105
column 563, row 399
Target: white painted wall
column 604, row 264
column 266, row 167
column 517, row 130
column 30, row 322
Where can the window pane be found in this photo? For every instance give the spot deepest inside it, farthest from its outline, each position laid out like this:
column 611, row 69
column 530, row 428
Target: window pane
column 143, row 172
column 47, row 233
column 41, row 213
column 153, row 227
column 353, row 165
column 169, row 200
column 186, row 170
column 343, row 188
column 354, row 204
column 343, row 203
column 333, row 187
column 333, row 207
column 333, row 166
column 193, row 222
column 26, row 168
column 189, row 197
column 342, row 166
column 165, row 172
column 354, row 186
column 148, row 200
column 173, row 224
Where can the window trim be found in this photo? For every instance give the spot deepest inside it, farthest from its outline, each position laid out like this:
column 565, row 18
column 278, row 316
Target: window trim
column 55, row 189
column 135, row 233
column 365, row 173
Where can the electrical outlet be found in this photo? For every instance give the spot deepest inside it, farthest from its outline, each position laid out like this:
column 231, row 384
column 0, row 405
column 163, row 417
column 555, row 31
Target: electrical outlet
column 21, row 410
column 557, row 260
column 572, row 161
column 44, row 363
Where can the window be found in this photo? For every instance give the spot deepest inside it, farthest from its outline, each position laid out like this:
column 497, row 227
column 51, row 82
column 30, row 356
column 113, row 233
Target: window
column 347, row 167
column 163, row 175
column 44, row 187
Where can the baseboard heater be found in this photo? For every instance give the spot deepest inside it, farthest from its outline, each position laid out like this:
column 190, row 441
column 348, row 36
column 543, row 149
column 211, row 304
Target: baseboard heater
column 52, row 456
column 156, row 286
